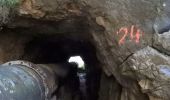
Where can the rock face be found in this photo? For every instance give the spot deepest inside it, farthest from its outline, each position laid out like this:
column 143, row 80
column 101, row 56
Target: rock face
column 131, row 38
column 151, row 70
column 161, row 41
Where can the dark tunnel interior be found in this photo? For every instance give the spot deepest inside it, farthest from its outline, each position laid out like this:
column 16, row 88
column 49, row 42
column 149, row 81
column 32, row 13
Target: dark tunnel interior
column 54, row 42
column 58, row 49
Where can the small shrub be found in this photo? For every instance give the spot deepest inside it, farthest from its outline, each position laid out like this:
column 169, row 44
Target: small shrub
column 9, row 3
column 7, row 9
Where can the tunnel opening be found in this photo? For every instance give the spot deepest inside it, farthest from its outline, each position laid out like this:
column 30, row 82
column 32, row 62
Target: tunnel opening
column 78, row 59
column 54, row 42
column 80, row 85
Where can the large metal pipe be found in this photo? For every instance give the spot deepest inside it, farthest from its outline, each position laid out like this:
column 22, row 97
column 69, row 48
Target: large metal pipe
column 21, row 80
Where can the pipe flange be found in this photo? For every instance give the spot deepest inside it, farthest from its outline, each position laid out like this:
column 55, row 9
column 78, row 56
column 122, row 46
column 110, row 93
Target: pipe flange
column 37, row 69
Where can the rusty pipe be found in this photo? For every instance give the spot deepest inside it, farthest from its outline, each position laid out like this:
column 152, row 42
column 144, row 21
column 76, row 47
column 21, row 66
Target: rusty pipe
column 21, row 80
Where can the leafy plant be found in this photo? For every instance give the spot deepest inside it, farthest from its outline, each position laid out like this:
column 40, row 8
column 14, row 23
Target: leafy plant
column 7, row 10
column 9, row 3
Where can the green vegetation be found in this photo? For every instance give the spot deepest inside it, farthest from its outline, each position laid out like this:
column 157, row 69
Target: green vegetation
column 7, row 10
column 9, row 3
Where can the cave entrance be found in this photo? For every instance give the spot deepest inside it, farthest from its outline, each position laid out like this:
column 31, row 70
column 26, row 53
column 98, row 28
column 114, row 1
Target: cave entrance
column 54, row 42
column 57, row 49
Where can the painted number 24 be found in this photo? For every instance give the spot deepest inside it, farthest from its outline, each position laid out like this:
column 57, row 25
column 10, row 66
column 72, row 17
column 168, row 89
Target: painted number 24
column 126, row 32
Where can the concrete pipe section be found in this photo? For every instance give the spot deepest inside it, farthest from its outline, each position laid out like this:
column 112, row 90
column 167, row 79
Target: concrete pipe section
column 21, row 80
